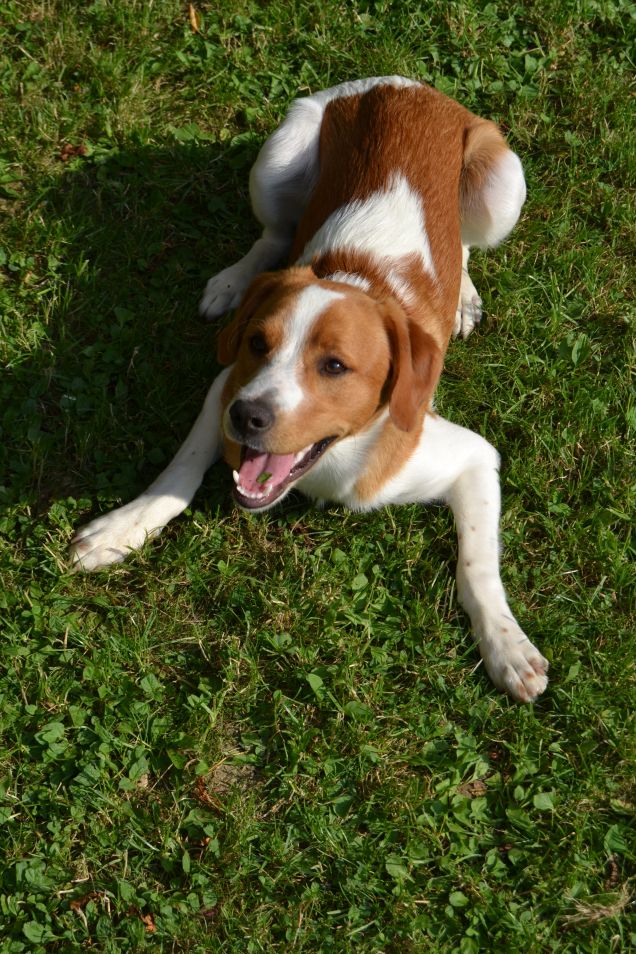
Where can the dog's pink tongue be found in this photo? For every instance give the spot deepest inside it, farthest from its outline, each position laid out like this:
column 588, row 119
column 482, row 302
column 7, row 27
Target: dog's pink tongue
column 270, row 468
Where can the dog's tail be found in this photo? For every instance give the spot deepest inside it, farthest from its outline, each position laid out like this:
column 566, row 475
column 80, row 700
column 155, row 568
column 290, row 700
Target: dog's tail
column 492, row 187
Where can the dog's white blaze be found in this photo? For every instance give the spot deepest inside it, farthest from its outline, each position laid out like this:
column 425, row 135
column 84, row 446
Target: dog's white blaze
column 280, row 377
column 388, row 225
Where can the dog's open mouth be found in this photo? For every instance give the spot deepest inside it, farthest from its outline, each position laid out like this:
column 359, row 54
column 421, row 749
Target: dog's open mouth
column 264, row 477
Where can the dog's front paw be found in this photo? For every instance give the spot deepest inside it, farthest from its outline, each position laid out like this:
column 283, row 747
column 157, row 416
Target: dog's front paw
column 514, row 664
column 468, row 313
column 223, row 292
column 111, row 538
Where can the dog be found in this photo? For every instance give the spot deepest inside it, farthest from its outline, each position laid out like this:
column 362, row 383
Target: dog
column 375, row 190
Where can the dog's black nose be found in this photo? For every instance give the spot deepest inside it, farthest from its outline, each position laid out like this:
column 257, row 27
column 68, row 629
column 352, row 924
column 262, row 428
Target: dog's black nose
column 251, row 418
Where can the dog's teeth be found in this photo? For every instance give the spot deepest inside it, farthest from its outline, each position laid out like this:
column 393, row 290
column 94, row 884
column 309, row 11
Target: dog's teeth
column 251, row 494
column 236, row 477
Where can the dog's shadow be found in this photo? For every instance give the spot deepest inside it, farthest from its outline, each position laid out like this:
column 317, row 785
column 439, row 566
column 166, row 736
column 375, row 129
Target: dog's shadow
column 124, row 361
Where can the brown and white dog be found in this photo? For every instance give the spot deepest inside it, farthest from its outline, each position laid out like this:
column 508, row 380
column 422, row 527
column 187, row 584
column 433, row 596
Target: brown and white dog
column 375, row 190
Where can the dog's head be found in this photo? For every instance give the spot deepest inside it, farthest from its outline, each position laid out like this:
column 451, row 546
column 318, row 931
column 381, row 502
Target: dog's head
column 314, row 361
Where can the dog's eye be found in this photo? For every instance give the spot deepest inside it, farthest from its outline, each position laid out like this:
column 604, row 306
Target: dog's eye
column 258, row 345
column 333, row 366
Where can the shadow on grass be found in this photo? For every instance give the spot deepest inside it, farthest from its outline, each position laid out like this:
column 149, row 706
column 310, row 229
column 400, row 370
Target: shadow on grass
column 122, row 364
column 131, row 237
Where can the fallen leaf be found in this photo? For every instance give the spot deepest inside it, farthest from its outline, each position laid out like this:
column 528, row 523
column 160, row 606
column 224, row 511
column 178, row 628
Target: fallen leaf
column 78, row 904
column 69, row 152
column 148, row 920
column 209, row 913
column 613, row 874
column 195, row 19
column 473, row 789
column 204, row 796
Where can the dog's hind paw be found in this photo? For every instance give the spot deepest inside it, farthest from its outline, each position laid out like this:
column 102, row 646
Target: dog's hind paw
column 469, row 312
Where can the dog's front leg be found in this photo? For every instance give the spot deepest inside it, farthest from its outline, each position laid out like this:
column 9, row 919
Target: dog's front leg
column 109, row 539
column 513, row 663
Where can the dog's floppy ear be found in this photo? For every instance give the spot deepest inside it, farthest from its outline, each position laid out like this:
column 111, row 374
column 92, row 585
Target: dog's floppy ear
column 229, row 339
column 416, row 366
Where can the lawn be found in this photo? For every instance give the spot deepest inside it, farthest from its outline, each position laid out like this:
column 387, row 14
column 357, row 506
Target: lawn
column 270, row 733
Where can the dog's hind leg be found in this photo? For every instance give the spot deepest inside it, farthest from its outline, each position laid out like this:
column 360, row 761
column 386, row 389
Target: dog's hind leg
column 468, row 312
column 492, row 192
column 281, row 181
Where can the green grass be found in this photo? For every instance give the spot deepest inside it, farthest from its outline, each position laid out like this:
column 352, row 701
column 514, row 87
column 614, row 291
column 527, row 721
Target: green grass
column 267, row 734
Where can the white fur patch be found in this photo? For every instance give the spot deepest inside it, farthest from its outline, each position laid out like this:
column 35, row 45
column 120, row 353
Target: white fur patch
column 280, row 376
column 388, row 225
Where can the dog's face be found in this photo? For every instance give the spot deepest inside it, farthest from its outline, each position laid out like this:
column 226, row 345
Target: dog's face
column 315, row 361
